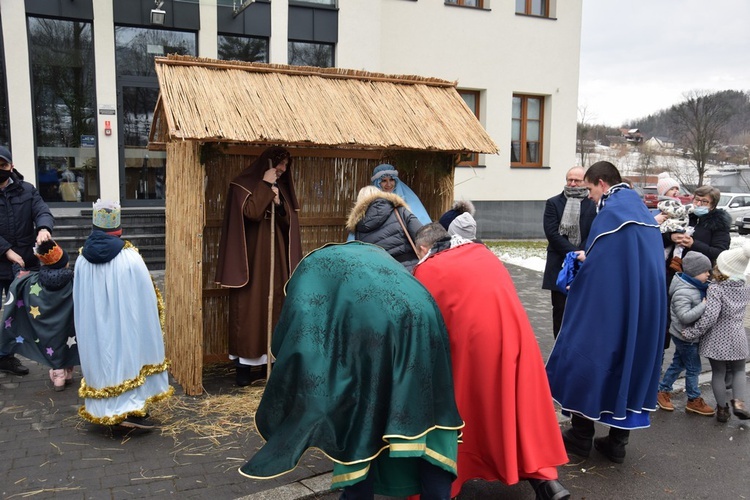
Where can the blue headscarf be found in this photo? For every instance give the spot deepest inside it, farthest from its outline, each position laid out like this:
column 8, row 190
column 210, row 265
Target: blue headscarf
column 401, row 189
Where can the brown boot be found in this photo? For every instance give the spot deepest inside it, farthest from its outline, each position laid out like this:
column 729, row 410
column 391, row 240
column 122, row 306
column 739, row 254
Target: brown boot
column 722, row 413
column 663, row 399
column 700, row 407
column 739, row 410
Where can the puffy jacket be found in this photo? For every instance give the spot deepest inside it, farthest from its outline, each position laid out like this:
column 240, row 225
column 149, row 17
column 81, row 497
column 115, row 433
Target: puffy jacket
column 22, row 214
column 686, row 307
column 373, row 220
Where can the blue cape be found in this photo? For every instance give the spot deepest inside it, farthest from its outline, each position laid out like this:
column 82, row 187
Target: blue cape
column 606, row 361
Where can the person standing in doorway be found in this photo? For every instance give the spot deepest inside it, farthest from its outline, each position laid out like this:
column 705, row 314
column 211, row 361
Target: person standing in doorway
column 567, row 221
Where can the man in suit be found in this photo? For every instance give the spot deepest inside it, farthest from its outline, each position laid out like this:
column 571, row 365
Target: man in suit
column 567, row 221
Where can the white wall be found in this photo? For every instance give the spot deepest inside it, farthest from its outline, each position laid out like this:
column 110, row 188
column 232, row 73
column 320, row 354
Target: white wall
column 494, row 51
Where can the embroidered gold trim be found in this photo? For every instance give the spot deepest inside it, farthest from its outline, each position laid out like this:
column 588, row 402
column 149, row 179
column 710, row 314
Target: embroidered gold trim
column 441, row 458
column 342, row 478
column 117, row 419
column 127, row 385
column 408, row 446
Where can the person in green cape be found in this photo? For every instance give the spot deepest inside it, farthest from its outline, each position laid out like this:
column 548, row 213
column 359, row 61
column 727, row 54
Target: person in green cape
column 363, row 373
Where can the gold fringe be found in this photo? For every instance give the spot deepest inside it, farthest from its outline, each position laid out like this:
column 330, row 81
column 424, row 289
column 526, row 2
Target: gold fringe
column 128, row 385
column 116, row 419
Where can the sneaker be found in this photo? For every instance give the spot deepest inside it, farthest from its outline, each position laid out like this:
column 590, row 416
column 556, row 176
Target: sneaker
column 739, row 410
column 10, row 364
column 722, row 413
column 138, row 423
column 700, row 407
column 663, row 399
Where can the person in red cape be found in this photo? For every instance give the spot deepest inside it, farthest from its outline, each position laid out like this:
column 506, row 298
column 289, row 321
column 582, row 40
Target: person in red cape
column 244, row 264
column 501, row 386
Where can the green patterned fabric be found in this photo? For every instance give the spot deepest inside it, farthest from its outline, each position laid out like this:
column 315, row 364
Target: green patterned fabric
column 362, row 369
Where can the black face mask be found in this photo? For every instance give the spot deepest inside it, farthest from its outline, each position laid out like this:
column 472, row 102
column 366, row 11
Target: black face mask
column 5, row 175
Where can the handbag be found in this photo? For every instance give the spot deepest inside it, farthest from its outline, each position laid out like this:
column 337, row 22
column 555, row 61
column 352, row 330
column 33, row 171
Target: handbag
column 569, row 269
column 403, row 226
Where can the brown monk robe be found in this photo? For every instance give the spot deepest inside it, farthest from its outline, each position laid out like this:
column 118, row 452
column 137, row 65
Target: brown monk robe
column 245, row 254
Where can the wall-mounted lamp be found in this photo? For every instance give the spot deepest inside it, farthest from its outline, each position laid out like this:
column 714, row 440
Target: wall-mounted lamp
column 157, row 15
column 237, row 10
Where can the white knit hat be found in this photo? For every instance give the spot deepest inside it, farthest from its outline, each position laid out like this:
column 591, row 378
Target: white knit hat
column 665, row 183
column 464, row 225
column 734, row 263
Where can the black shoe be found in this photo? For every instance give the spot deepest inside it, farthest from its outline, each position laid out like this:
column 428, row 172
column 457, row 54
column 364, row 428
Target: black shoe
column 10, row 364
column 576, row 445
column 246, row 374
column 549, row 490
column 605, row 446
column 138, row 423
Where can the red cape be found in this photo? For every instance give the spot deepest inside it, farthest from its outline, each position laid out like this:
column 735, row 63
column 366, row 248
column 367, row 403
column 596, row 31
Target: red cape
column 499, row 378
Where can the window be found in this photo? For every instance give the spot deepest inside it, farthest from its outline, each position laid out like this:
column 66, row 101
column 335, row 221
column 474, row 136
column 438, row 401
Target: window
column 466, row 3
column 526, row 131
column 62, row 76
column 533, row 7
column 243, row 48
column 311, row 54
column 135, row 48
column 471, row 98
column 4, row 120
column 331, row 3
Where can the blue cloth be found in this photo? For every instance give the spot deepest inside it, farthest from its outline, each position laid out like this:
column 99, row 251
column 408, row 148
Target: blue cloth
column 570, row 267
column 606, row 361
column 401, row 189
column 686, row 357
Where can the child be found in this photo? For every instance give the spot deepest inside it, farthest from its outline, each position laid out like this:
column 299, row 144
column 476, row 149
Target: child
column 38, row 317
column 688, row 301
column 722, row 335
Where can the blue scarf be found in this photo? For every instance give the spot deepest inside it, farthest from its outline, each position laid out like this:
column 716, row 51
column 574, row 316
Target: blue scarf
column 702, row 287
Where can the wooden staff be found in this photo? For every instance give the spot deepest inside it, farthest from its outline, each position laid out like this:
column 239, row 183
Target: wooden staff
column 269, row 328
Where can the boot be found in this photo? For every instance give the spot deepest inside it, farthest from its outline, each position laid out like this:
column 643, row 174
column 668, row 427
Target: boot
column 613, row 445
column 578, row 439
column 739, row 410
column 722, row 413
column 549, row 489
column 58, row 379
column 68, row 375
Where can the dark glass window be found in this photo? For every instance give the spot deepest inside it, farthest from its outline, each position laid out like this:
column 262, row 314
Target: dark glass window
column 135, row 48
column 62, row 74
column 243, row 48
column 4, row 121
column 311, row 54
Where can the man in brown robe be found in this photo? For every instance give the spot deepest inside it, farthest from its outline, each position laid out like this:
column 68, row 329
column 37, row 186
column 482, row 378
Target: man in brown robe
column 245, row 255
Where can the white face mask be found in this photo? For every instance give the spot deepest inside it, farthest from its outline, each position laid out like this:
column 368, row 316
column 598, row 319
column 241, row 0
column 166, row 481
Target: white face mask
column 700, row 211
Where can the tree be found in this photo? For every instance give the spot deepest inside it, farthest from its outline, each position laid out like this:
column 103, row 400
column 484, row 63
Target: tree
column 583, row 134
column 698, row 123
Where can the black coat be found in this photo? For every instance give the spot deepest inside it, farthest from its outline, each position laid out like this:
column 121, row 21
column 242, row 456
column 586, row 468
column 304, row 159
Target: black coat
column 558, row 243
column 22, row 214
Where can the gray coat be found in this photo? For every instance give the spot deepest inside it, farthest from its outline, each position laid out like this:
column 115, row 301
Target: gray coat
column 373, row 220
column 721, row 328
column 686, row 307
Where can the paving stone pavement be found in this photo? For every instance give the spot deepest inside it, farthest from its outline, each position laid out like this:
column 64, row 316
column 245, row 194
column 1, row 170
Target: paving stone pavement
column 49, row 452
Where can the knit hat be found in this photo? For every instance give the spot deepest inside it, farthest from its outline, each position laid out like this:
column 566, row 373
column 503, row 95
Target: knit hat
column 464, row 225
column 695, row 263
column 106, row 216
column 459, row 207
column 665, row 183
column 734, row 263
column 51, row 254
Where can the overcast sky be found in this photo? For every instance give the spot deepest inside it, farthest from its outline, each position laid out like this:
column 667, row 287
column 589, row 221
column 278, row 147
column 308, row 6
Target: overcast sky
column 641, row 56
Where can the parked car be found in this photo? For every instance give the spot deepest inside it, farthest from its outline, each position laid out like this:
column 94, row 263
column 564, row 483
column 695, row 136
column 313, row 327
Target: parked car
column 737, row 205
column 651, row 196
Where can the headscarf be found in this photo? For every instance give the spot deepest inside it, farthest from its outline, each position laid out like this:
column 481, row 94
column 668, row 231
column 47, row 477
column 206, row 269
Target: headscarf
column 401, row 189
column 570, row 222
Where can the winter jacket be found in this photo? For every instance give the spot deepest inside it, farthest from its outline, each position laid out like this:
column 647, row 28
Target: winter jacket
column 711, row 235
column 686, row 308
column 22, row 214
column 373, row 220
column 721, row 330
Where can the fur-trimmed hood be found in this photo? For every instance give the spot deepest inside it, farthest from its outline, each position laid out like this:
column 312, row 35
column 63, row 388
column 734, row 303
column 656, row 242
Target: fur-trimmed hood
column 715, row 220
column 360, row 209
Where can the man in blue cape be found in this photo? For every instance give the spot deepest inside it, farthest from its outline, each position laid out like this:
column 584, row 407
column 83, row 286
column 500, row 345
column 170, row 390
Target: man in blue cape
column 363, row 373
column 606, row 362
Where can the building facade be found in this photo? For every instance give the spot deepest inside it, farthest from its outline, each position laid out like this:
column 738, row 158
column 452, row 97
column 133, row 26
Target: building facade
column 79, row 90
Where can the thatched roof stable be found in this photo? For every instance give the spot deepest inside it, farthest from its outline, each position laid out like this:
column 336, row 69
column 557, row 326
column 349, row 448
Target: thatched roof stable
column 253, row 103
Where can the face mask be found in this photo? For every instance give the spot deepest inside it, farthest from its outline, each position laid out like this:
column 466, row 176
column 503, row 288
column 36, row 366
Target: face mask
column 4, row 175
column 700, row 211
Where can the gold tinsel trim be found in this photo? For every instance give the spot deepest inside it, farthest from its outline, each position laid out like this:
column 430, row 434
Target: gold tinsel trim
column 128, row 385
column 117, row 419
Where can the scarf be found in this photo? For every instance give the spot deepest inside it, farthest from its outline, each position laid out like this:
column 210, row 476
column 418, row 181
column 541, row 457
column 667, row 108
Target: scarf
column 701, row 287
column 571, row 217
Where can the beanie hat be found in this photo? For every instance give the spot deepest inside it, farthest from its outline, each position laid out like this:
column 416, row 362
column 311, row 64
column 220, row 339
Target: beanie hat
column 734, row 262
column 464, row 225
column 665, row 183
column 695, row 263
column 459, row 207
column 51, row 254
column 106, row 216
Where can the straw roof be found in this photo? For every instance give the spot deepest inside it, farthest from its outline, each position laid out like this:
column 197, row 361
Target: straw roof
column 253, row 103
